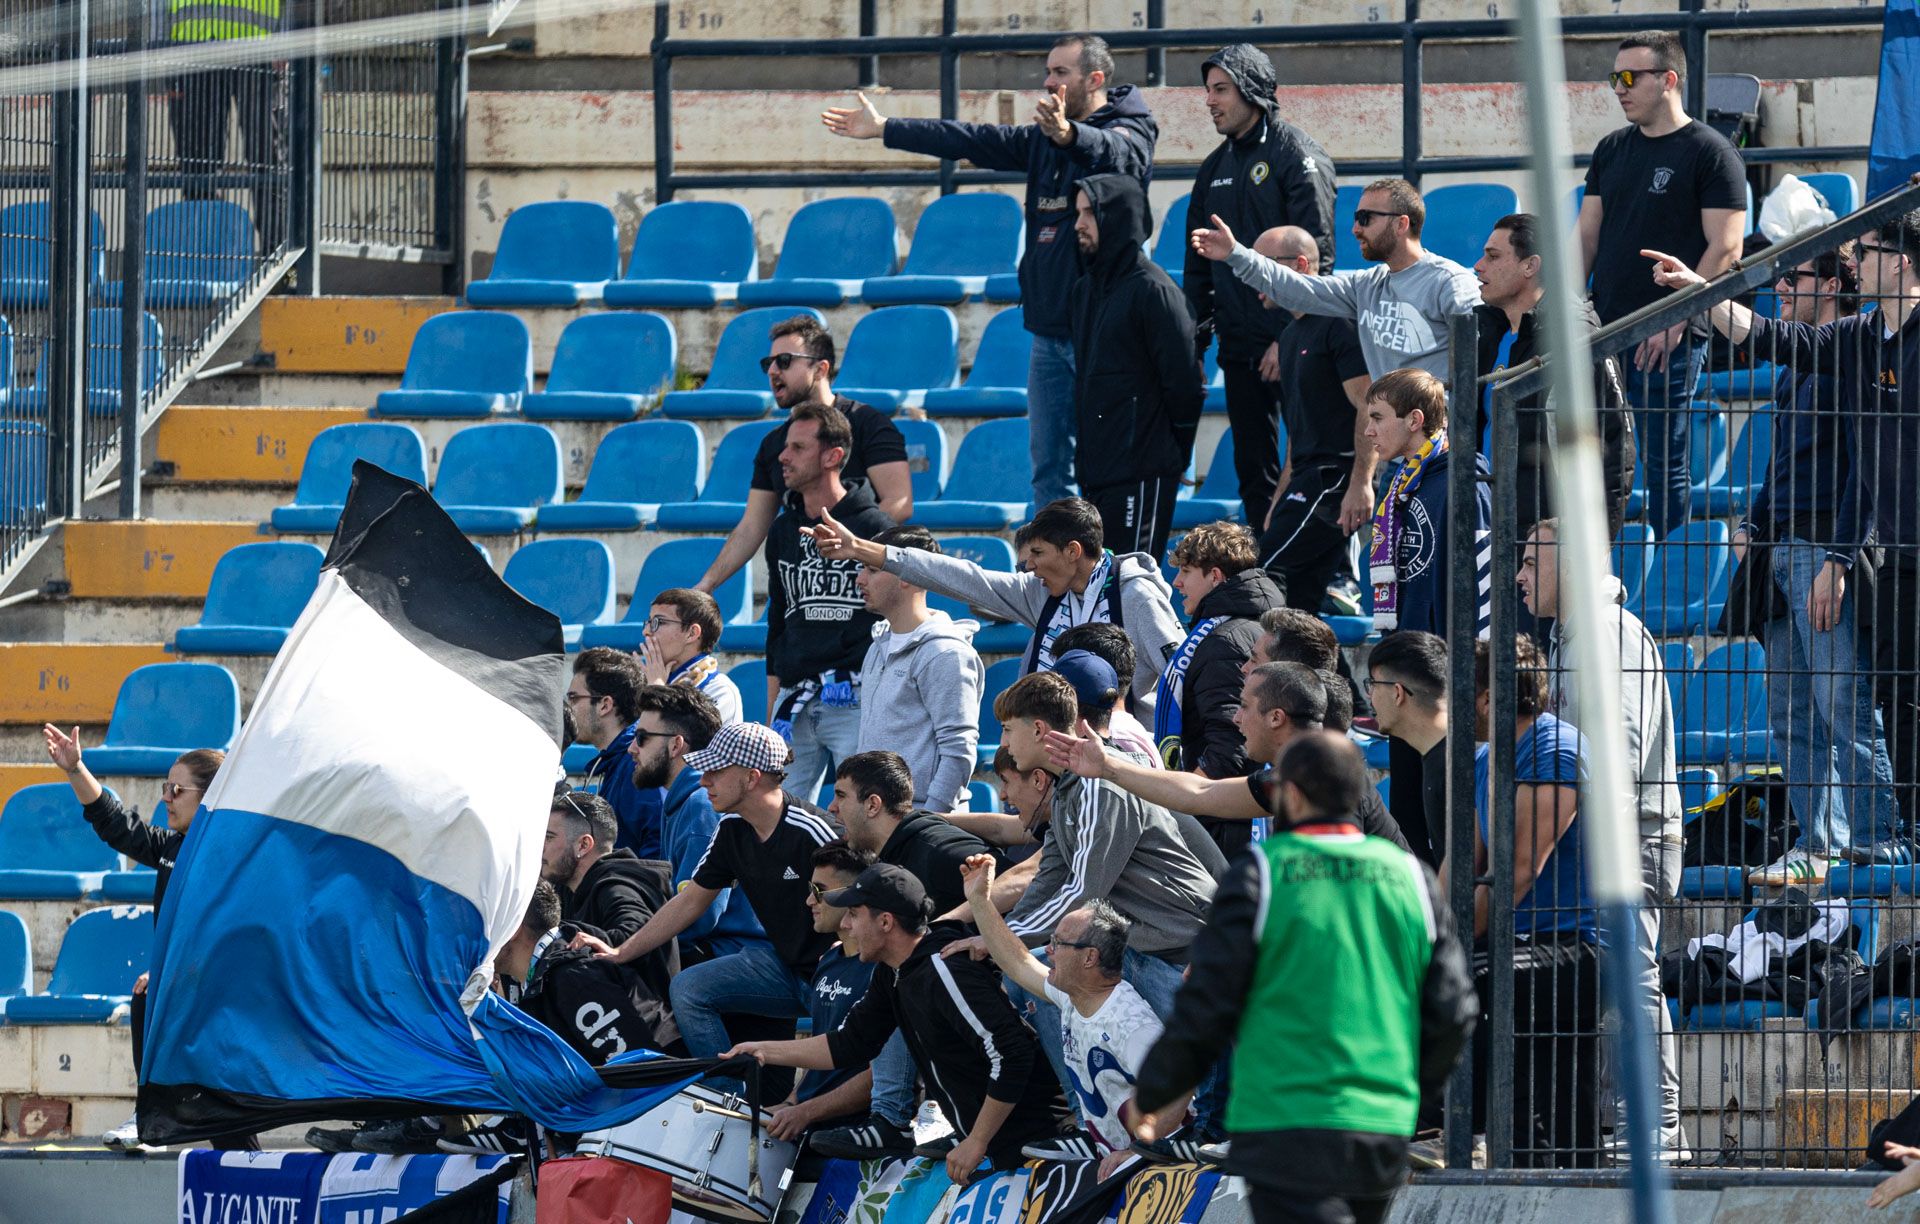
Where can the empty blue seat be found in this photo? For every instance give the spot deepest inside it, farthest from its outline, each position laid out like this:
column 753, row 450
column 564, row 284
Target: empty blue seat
column 555, row 253
column 23, row 474
column 676, row 563
column 895, row 356
column 16, row 959
column 1687, row 586
column 103, row 365
column 606, row 367
column 980, row 797
column 1219, row 497
column 1745, row 471
column 163, row 710
column 960, row 241
column 573, row 579
column 258, row 591
column 688, row 253
column 1170, row 248
column 1716, row 883
column 48, row 852
column 493, row 479
column 1743, row 382
column 1346, row 248
column 103, row 952
column 198, row 253
column 133, row 887
column 1633, row 557
column 723, row 499
column 926, row 456
column 1722, row 714
column 1840, row 191
column 735, row 385
column 1004, row 288
column 327, row 473
column 750, row 677
column 990, row 482
column 466, row 363
column 26, row 255
column 831, row 248
column 1460, row 217
column 636, row 467
column 6, row 362
column 997, row 382
column 993, row 553
column 1697, row 787
column 998, row 677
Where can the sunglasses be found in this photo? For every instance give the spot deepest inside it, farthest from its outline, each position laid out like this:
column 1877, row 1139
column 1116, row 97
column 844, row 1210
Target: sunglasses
column 1363, row 217
column 170, row 790
column 641, row 737
column 783, row 361
column 819, row 891
column 1627, row 78
column 1877, row 249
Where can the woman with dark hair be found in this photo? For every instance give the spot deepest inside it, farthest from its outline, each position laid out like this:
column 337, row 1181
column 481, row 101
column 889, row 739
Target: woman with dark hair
column 150, row 846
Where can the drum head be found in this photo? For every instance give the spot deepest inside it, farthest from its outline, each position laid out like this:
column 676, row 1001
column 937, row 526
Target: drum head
column 710, row 1206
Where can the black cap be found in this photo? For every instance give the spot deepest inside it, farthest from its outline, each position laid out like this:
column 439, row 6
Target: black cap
column 887, row 888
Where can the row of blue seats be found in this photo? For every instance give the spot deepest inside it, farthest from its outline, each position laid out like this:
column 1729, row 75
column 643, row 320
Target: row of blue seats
column 198, row 252
column 103, row 365
column 103, row 952
column 49, row 853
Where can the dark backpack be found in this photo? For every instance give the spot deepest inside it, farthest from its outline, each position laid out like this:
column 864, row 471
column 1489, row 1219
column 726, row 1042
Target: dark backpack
column 1749, row 825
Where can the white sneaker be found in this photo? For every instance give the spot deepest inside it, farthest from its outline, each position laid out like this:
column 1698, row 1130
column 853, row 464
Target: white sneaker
column 1795, row 867
column 125, row 1137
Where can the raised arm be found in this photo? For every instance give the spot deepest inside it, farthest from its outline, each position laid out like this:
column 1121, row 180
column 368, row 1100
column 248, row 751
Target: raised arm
column 1319, row 295
column 1022, row 967
column 1220, row 798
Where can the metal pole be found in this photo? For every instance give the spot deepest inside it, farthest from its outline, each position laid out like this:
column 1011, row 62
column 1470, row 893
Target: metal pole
column 1609, row 833
column 450, row 153
column 949, row 81
column 70, row 213
column 1693, row 38
column 1462, row 618
column 1412, row 85
column 306, row 134
column 133, row 280
column 1156, row 56
column 662, row 105
column 869, row 65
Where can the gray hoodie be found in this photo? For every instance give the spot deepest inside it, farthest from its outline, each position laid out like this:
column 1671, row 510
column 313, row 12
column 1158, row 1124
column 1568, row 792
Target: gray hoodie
column 1146, row 603
column 1402, row 315
column 920, row 697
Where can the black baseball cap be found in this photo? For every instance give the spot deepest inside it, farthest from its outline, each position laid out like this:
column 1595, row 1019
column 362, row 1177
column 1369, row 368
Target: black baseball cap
column 887, row 888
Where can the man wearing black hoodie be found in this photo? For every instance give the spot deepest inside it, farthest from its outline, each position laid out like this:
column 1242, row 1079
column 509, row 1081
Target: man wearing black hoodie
column 1226, row 590
column 1136, row 387
column 1265, row 173
column 612, row 890
column 1082, row 126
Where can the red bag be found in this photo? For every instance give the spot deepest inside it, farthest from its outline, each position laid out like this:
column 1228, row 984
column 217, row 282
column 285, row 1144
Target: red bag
column 596, row 1190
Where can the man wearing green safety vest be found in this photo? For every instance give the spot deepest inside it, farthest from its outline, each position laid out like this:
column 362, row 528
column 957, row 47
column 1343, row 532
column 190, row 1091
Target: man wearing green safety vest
column 202, row 101
column 1330, row 964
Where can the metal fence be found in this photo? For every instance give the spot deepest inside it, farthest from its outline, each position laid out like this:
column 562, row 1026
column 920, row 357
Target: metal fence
column 1771, row 718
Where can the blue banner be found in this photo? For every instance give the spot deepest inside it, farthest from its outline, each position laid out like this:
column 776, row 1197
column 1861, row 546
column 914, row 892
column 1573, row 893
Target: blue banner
column 315, row 1188
column 1896, row 116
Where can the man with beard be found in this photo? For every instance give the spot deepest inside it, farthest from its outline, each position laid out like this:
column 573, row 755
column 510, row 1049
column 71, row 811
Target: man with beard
column 600, row 699
column 611, row 890
column 1081, row 127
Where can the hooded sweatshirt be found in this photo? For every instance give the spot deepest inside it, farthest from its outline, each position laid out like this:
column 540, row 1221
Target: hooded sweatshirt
column 1422, row 555
column 1137, row 389
column 1275, row 174
column 1209, row 741
column 618, row 894
column 1116, row 139
column 920, row 697
column 1146, row 603
column 599, row 1008
column 933, row 848
column 816, row 618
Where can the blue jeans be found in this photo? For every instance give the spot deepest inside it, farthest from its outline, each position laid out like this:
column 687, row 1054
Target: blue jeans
column 823, row 736
column 755, row 981
column 1050, row 419
column 895, row 1079
column 1839, row 777
column 1663, row 416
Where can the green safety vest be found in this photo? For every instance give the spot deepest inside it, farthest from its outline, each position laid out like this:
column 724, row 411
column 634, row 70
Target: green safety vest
column 207, row 21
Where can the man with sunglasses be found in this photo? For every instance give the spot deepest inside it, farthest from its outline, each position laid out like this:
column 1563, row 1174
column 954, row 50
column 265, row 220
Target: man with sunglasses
column 600, row 698
column 1669, row 183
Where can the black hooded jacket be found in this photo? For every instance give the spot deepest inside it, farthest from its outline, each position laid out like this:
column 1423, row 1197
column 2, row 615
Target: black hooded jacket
column 1136, row 386
column 618, row 894
column 1116, row 139
column 595, row 1005
column 933, row 848
column 1276, row 174
column 1209, row 741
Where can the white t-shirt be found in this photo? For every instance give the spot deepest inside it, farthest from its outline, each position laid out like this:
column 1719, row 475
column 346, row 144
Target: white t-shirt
column 725, row 694
column 1103, row 1053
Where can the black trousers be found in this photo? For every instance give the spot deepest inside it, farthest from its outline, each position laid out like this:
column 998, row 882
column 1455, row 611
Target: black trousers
column 1137, row 517
column 1276, row 1206
column 1555, row 1108
column 1896, row 663
column 1253, row 410
column 1332, row 1177
column 1303, row 546
column 198, row 119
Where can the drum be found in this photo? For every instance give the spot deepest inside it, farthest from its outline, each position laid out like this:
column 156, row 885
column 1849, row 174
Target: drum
column 700, row 1138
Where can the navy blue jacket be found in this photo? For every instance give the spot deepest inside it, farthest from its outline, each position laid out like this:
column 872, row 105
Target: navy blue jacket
column 1422, row 559
column 1116, row 139
column 610, row 775
column 1809, row 490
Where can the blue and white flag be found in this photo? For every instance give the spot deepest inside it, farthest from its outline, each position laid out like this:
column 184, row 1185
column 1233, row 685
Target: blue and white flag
column 1896, row 115
column 326, row 946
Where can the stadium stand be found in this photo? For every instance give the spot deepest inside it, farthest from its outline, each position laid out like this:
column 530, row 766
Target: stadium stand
column 735, row 386
column 987, row 489
column 16, row 960
column 1459, row 218
column 573, row 579
column 327, row 473
column 92, row 983
column 1721, row 713
column 750, row 677
column 606, row 367
column 1219, row 496
column 469, row 363
column 688, row 253
column 163, row 710
column 1840, row 191
column 1686, row 584
column 987, row 552
column 926, row 456
column 47, row 852
column 26, row 251
column 959, row 242
column 103, row 365
column 493, row 479
column 896, row 355
column 553, row 253
column 1633, row 558
column 1346, row 248
column 831, row 248
column 999, row 676
column 198, row 253
column 675, row 563
column 257, row 593
column 636, row 467
column 723, row 498
column 1170, row 248
column 996, row 382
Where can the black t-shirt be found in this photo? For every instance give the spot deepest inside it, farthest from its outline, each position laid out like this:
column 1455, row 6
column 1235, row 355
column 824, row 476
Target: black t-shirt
column 774, row 874
column 1317, row 354
column 1652, row 190
column 1372, row 816
column 1433, row 790
column 876, row 440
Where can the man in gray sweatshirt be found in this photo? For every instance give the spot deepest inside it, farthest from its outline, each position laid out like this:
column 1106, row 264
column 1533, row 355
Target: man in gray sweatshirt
column 920, row 684
column 1401, row 305
column 1070, row 580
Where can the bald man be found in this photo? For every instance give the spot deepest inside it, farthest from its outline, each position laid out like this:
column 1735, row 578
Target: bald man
column 1326, row 488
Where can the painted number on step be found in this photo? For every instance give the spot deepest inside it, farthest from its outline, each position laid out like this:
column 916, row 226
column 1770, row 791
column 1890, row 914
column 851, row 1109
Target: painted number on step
column 56, row 681
column 266, row 444
column 362, row 335
column 1375, row 13
column 156, row 558
column 700, row 21
column 66, row 1062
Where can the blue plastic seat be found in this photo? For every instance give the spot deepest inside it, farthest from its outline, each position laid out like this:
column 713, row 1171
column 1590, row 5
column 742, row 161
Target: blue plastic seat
column 1216, row 381
column 1003, row 288
column 1460, row 217
column 16, row 959
column 1676, row 661
column 1687, row 586
column 23, row 474
column 926, row 456
column 676, row 563
column 199, row 252
column 990, row 482
column 636, row 467
column 257, row 593
column 493, row 479
column 992, row 553
column 573, row 579
column 981, row 798
column 960, row 241
column 163, row 710
column 997, row 382
column 1697, row 788
column 1722, row 715
column 1840, row 191
column 1716, row 883
column 688, row 253
column 1633, row 557
column 555, row 253
column 831, row 248
column 723, row 498
column 103, row 365
column 998, row 677
column 1219, row 497
column 1346, row 248
column 103, row 952
column 466, row 363
column 736, row 386
column 750, row 677
column 26, row 254
column 135, row 887
column 48, row 852
column 895, row 356
column 327, row 473
column 1170, row 248
column 1744, row 473
column 606, row 367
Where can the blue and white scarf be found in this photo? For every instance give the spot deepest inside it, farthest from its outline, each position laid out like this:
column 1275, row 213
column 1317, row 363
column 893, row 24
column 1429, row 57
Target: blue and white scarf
column 1171, row 692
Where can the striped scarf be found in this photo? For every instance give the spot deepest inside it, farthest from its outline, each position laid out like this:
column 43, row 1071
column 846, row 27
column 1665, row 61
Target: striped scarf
column 1382, row 559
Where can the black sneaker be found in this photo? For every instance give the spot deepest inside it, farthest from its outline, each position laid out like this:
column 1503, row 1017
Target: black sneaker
column 336, row 1140
column 937, row 1149
column 400, row 1137
column 872, row 1139
column 1073, row 1146
column 505, row 1135
column 1174, row 1150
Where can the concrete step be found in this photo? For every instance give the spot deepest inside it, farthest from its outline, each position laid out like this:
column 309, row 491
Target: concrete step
column 67, row 683
column 1830, row 1127
column 197, row 444
column 148, row 559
